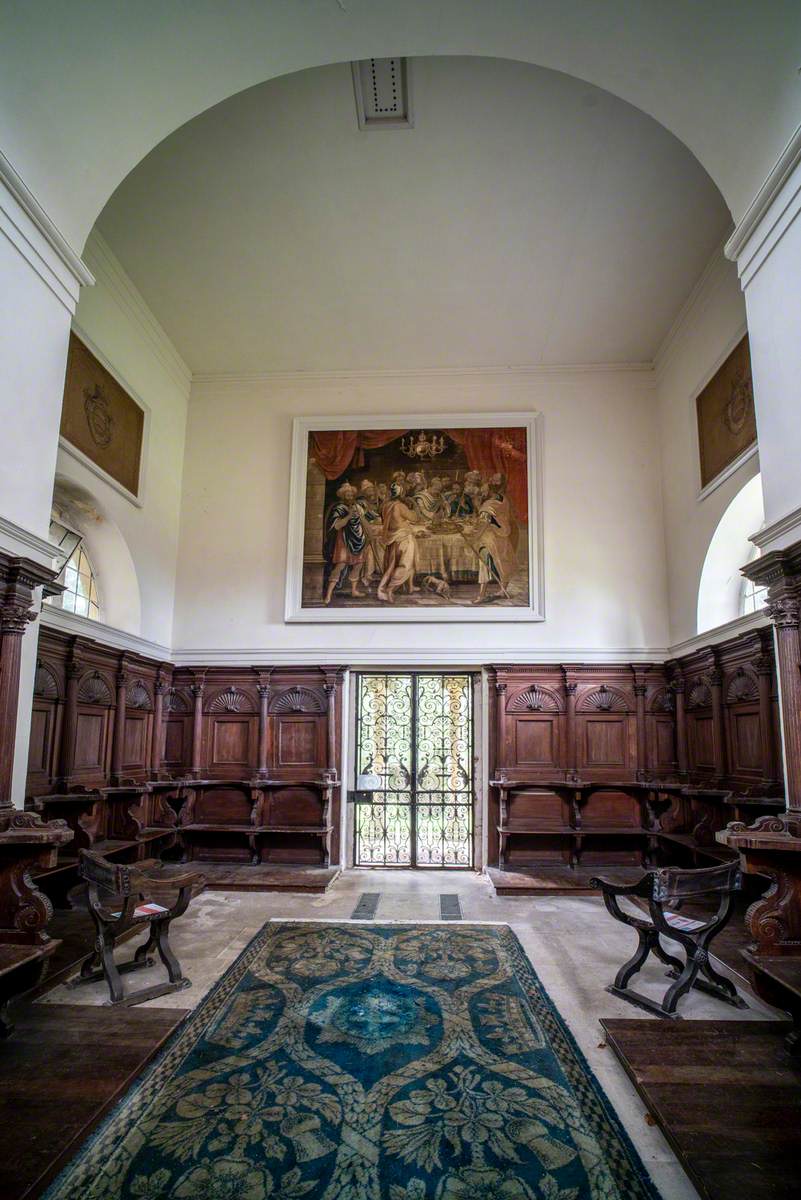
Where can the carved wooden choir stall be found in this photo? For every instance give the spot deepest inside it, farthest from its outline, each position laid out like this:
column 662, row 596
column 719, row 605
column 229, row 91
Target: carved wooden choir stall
column 26, row 841
column 771, row 846
column 627, row 766
column 234, row 766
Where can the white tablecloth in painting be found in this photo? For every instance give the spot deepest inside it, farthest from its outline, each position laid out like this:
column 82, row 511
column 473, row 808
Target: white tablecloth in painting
column 446, row 554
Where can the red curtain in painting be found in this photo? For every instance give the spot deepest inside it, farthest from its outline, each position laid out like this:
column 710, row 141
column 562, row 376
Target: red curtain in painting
column 492, row 450
column 486, row 450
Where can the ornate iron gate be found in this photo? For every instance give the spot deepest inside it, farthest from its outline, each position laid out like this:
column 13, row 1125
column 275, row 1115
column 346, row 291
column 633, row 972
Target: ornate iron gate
column 414, row 771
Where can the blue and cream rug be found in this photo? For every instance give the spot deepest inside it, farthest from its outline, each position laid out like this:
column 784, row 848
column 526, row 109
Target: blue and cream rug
column 374, row 1062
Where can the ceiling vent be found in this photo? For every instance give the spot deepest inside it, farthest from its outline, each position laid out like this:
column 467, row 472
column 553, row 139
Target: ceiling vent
column 383, row 93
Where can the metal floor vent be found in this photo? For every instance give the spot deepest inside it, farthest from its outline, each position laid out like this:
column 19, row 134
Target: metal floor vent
column 366, row 907
column 450, row 908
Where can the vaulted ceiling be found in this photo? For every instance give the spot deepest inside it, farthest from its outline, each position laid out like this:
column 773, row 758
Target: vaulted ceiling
column 526, row 218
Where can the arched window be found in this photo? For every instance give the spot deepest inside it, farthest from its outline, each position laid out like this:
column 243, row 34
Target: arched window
column 753, row 597
column 723, row 593
column 77, row 576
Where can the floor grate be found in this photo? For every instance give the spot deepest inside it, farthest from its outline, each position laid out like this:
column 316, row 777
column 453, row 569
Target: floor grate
column 450, row 908
column 366, row 907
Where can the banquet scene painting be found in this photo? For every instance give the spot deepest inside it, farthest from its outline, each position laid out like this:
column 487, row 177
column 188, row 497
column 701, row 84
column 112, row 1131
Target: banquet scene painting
column 417, row 518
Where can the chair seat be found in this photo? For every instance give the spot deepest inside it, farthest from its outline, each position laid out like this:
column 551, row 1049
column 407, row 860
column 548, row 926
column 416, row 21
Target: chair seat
column 149, row 909
column 679, row 921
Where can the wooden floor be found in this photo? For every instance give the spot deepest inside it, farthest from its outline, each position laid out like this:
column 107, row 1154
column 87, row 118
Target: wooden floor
column 49, row 1100
column 727, row 1096
column 553, row 880
column 266, row 877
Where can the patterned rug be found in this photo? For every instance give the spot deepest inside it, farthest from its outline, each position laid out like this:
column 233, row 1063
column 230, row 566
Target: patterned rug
column 374, row 1062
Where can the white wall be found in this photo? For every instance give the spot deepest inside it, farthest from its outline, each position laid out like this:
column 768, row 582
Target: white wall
column 707, row 329
column 115, row 321
column 604, row 550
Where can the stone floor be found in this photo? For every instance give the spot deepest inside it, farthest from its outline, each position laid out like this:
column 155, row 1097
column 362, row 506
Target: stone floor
column 573, row 944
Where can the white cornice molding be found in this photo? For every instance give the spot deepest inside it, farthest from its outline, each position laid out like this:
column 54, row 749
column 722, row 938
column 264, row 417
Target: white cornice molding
column 406, row 374
column 392, row 657
column 774, row 210
column 786, row 163
column 708, row 282
column 106, row 635
column 789, row 524
column 17, row 540
column 110, row 271
column 41, row 243
column 721, row 633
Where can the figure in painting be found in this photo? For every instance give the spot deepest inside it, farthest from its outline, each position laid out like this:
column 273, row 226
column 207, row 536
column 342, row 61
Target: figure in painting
column 369, row 506
column 345, row 543
column 493, row 536
column 401, row 529
column 450, row 528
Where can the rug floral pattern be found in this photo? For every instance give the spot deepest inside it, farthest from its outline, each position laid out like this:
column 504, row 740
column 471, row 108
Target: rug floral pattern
column 366, row 1062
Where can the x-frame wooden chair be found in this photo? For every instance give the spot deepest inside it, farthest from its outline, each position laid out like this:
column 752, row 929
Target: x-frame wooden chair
column 661, row 888
column 120, row 897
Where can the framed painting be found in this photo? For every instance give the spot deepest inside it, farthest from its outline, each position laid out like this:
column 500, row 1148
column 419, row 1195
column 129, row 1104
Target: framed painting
column 407, row 519
column 726, row 418
column 101, row 421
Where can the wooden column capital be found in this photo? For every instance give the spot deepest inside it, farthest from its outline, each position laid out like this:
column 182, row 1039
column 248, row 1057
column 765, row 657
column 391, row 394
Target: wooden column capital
column 780, row 572
column 19, row 578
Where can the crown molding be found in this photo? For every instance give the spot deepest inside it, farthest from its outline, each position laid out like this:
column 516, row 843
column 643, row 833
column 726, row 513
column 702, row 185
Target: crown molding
column 17, row 540
column 110, row 272
column 721, row 633
column 392, row 657
column 38, row 239
column 710, row 279
column 405, row 374
column 783, row 168
column 97, row 631
column 790, row 523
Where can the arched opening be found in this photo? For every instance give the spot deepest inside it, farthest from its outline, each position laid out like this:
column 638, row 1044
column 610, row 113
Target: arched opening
column 98, row 575
column 723, row 593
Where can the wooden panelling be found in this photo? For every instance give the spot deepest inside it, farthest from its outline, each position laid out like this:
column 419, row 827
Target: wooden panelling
column 230, row 742
column 536, row 741
column 297, row 742
column 91, row 741
column 605, row 741
column 136, row 742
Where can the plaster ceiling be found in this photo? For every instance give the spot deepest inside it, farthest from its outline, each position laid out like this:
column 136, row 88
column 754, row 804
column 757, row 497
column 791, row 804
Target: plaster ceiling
column 527, row 218
column 87, row 89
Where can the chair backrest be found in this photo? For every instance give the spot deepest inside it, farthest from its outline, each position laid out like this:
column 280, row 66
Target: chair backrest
column 108, row 876
column 676, row 883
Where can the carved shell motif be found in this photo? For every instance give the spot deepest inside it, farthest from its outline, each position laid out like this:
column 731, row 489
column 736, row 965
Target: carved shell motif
column 45, row 683
column 663, row 701
column 298, row 700
column 175, row 701
column 742, row 687
column 534, row 699
column 605, row 699
column 231, row 700
column 700, row 695
column 139, row 696
column 94, row 690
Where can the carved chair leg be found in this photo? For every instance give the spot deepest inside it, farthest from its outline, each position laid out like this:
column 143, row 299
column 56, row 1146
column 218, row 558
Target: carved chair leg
column 113, row 979
column 144, row 953
column 669, row 960
column 637, row 959
column 683, row 984
column 6, row 1024
column 161, row 930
